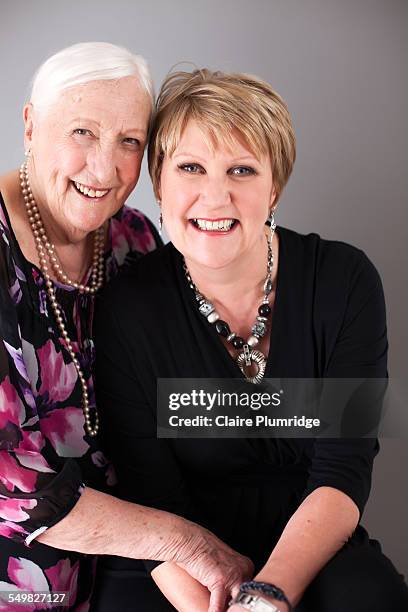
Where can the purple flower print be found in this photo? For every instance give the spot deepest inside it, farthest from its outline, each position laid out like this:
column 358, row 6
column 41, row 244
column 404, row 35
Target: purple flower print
column 132, row 233
column 62, row 428
column 58, row 378
column 27, row 577
column 14, row 509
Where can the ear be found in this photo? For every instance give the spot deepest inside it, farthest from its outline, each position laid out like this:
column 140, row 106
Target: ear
column 273, row 196
column 28, row 125
column 157, row 193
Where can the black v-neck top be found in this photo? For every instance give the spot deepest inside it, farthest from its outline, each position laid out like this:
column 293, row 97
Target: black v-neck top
column 328, row 320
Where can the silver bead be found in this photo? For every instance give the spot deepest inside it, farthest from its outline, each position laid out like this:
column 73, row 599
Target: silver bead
column 258, row 329
column 213, row 317
column 252, row 341
column 206, row 308
column 268, row 286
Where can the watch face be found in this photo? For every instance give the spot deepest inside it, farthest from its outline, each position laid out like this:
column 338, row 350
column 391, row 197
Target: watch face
column 264, row 606
column 255, row 603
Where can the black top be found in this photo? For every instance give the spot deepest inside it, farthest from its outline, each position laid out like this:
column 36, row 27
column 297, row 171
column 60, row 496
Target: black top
column 328, row 321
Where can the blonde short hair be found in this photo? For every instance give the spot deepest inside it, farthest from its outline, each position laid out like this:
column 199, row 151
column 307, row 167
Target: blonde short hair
column 223, row 104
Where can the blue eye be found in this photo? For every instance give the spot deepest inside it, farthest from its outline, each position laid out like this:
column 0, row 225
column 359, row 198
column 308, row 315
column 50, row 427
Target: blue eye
column 242, row 171
column 82, row 132
column 132, row 141
column 191, row 168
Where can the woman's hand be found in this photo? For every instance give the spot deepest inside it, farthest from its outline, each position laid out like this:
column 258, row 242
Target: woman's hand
column 151, row 534
column 183, row 591
column 214, row 564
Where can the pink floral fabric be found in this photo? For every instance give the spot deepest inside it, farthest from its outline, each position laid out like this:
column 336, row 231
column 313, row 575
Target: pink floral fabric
column 46, row 456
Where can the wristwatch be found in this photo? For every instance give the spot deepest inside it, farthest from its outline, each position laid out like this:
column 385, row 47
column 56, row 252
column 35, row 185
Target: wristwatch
column 254, row 603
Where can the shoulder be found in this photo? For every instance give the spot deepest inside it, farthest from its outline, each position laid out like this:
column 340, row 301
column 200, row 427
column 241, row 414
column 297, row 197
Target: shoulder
column 10, row 274
column 142, row 286
column 4, row 226
column 131, row 230
column 333, row 264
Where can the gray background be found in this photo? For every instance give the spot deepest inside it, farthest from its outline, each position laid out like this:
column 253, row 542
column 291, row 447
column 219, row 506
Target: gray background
column 340, row 66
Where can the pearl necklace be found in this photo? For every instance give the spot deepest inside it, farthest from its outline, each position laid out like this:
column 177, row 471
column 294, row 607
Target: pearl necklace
column 45, row 247
column 248, row 355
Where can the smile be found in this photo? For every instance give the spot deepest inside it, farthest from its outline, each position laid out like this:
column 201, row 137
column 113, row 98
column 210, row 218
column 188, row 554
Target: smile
column 215, row 225
column 90, row 192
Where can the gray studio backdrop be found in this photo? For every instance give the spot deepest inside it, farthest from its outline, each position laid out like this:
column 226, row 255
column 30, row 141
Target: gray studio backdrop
column 341, row 67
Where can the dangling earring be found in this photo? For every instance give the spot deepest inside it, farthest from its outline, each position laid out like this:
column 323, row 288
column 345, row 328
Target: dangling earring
column 271, row 218
column 272, row 227
column 160, row 220
column 27, row 152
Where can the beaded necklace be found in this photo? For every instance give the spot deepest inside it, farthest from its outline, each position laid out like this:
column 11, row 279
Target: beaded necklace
column 247, row 355
column 46, row 249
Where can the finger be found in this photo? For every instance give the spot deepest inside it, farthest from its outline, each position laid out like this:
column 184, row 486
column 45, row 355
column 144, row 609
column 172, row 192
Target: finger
column 217, row 600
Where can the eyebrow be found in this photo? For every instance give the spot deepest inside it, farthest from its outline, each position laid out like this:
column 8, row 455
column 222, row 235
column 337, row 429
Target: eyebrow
column 198, row 157
column 89, row 120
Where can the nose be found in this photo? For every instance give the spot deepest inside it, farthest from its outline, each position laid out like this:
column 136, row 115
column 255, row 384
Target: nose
column 215, row 192
column 102, row 165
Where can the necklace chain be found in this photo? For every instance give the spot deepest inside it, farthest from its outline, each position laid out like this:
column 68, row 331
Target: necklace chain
column 46, row 249
column 247, row 354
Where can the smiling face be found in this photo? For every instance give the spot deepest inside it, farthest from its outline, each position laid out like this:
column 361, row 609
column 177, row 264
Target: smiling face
column 86, row 152
column 215, row 200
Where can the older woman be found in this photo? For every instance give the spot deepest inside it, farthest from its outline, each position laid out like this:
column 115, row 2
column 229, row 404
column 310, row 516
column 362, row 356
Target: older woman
column 64, row 232
column 226, row 291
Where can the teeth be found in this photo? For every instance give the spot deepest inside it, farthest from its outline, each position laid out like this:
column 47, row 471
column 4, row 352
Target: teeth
column 224, row 225
column 91, row 193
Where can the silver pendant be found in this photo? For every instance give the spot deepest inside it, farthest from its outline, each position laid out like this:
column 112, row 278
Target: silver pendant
column 249, row 356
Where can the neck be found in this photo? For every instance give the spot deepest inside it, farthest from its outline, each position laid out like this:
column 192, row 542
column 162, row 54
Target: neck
column 242, row 277
column 236, row 290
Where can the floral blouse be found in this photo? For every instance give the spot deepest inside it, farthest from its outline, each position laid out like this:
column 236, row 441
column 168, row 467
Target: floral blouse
column 46, row 456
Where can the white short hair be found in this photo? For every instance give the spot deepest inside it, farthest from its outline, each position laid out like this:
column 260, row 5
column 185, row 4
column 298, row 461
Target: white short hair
column 85, row 62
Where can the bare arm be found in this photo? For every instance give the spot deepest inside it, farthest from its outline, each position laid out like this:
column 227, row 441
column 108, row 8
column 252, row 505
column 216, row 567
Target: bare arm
column 102, row 524
column 98, row 522
column 316, row 531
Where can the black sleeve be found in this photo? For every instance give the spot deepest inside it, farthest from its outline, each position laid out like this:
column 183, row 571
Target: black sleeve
column 146, row 467
column 360, row 351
